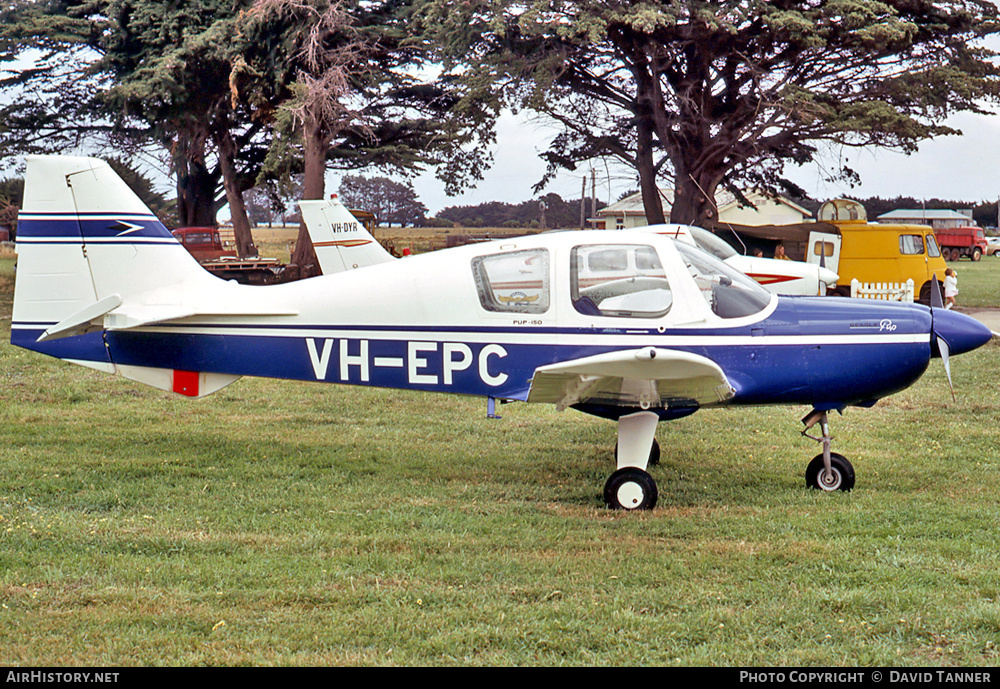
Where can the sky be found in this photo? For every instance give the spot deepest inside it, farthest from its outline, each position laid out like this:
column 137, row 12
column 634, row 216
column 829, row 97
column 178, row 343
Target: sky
column 963, row 168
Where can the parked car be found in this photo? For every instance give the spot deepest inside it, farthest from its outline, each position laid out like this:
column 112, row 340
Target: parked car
column 993, row 246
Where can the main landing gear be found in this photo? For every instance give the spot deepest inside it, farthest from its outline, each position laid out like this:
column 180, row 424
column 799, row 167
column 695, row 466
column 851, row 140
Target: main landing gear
column 631, row 487
column 828, row 470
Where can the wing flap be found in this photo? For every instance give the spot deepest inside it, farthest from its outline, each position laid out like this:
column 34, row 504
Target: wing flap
column 645, row 378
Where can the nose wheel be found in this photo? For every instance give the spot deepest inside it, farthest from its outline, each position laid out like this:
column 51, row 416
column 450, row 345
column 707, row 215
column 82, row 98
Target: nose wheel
column 840, row 476
column 828, row 470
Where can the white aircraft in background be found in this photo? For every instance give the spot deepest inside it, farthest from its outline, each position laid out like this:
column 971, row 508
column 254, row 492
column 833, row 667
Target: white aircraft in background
column 777, row 276
column 341, row 246
column 626, row 325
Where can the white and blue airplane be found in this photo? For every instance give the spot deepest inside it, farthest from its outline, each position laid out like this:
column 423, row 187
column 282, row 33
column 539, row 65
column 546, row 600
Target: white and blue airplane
column 630, row 326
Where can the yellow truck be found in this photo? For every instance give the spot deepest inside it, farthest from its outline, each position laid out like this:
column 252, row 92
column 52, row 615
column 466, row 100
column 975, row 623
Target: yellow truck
column 874, row 253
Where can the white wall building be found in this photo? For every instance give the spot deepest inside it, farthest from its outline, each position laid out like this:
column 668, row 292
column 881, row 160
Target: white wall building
column 766, row 210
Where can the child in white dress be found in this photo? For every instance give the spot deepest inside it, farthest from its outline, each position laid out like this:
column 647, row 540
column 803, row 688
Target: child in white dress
column 950, row 288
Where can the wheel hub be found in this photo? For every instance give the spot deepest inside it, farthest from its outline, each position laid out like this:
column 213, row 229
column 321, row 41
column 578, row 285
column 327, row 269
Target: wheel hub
column 830, row 479
column 630, row 495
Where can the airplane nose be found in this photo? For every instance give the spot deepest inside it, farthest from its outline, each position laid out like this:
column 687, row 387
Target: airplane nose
column 828, row 276
column 960, row 332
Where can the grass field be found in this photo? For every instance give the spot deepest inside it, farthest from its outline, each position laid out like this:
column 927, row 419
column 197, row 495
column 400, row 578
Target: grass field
column 279, row 523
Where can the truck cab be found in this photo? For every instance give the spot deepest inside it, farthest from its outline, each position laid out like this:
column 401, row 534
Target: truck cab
column 204, row 243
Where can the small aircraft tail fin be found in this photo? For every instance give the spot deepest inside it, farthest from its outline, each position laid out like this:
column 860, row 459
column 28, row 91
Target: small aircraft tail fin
column 340, row 240
column 88, row 248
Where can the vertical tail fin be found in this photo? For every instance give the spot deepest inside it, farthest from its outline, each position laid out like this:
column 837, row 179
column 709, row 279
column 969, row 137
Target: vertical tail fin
column 340, row 240
column 85, row 243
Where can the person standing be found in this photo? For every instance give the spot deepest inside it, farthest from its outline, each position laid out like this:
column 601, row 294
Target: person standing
column 950, row 287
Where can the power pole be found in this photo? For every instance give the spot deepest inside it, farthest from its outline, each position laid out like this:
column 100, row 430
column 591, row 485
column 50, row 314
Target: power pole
column 593, row 196
column 583, row 202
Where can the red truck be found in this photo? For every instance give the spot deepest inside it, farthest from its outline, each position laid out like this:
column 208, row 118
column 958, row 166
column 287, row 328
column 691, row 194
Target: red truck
column 956, row 242
column 205, row 244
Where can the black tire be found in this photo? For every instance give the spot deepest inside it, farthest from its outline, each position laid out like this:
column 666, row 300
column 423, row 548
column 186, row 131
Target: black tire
column 654, row 453
column 630, row 489
column 976, row 254
column 946, row 254
column 925, row 294
column 843, row 474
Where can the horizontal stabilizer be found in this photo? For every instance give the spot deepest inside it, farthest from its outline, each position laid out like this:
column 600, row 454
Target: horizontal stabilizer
column 83, row 321
column 128, row 317
column 111, row 314
column 645, row 378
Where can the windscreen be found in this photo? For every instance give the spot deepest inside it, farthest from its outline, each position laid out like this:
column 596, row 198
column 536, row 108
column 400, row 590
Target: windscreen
column 729, row 293
column 711, row 243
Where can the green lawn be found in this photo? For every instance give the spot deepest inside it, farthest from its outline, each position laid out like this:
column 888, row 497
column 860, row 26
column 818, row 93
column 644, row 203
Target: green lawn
column 279, row 523
column 978, row 282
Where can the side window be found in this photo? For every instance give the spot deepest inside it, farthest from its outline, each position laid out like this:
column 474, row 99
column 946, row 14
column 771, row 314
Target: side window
column 910, row 244
column 619, row 280
column 515, row 282
column 823, row 249
column 933, row 250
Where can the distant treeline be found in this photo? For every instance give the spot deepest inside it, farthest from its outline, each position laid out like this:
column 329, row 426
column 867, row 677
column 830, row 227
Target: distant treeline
column 547, row 212
column 566, row 214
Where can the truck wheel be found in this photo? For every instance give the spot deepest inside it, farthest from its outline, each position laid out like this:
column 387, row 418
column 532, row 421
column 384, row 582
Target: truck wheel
column 946, row 254
column 976, row 254
column 925, row 294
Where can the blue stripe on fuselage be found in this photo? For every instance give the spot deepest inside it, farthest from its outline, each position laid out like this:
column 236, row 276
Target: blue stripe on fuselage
column 815, row 361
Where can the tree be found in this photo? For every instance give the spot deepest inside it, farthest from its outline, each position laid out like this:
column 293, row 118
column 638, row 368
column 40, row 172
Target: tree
column 132, row 73
column 725, row 94
column 558, row 213
column 170, row 61
column 11, row 195
column 391, row 202
column 335, row 81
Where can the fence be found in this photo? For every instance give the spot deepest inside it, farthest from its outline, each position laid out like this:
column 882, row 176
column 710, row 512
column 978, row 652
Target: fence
column 886, row 291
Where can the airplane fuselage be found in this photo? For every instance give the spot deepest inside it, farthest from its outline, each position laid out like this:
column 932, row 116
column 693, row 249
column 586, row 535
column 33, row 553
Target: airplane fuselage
column 417, row 324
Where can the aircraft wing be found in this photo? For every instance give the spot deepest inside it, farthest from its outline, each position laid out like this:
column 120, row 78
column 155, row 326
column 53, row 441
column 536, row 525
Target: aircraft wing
column 647, row 377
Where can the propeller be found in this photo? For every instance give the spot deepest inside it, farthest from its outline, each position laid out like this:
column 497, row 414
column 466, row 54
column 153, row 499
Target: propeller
column 937, row 303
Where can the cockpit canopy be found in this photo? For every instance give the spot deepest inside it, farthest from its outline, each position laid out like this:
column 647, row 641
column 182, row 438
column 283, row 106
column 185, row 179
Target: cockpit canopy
column 620, row 279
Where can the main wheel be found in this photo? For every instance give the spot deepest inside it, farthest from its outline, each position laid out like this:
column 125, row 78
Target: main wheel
column 630, row 489
column 842, row 473
column 977, row 254
column 654, row 453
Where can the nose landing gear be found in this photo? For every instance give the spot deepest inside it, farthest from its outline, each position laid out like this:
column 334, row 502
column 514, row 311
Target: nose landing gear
column 828, row 470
